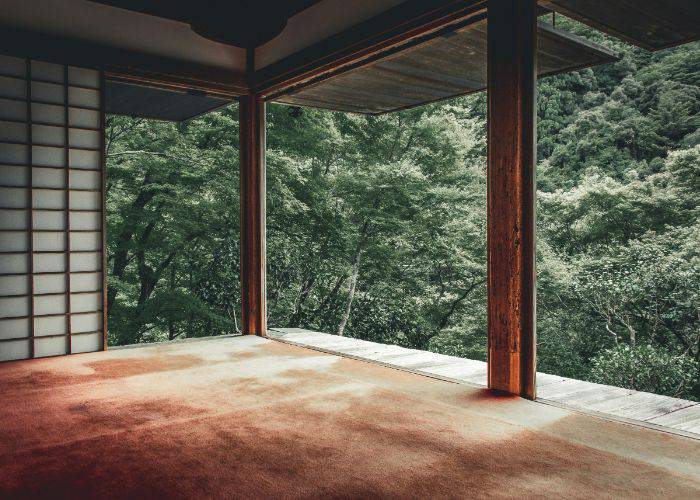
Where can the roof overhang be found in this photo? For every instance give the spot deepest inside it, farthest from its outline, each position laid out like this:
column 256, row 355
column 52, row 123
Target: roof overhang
column 650, row 24
column 325, row 48
column 447, row 66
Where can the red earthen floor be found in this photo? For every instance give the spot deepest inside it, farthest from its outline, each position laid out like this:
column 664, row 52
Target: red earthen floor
column 252, row 418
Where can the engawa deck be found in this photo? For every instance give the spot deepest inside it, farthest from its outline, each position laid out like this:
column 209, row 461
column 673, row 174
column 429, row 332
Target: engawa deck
column 662, row 412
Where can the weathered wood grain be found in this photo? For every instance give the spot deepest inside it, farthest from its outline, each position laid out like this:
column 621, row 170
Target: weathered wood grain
column 252, row 177
column 512, row 103
column 687, row 419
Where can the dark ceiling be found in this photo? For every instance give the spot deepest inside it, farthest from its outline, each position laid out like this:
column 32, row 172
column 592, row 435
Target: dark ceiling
column 243, row 23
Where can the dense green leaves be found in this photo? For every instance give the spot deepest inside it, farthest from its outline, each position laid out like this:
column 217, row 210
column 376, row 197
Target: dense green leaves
column 645, row 368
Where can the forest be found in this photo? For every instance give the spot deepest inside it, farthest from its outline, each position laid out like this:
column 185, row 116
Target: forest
column 376, row 224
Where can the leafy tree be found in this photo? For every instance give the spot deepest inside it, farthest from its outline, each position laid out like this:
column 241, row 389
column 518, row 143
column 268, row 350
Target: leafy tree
column 645, row 368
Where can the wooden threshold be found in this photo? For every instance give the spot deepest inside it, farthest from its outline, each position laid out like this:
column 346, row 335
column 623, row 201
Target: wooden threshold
column 660, row 413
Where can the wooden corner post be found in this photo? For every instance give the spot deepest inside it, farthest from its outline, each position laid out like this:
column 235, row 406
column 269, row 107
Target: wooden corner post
column 252, row 174
column 512, row 47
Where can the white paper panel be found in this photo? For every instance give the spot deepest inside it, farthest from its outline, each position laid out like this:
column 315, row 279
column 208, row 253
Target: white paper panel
column 49, row 283
column 44, row 142
column 88, row 322
column 47, row 71
column 13, row 132
column 91, row 261
column 14, row 307
column 14, row 241
column 87, row 343
column 49, row 242
column 83, row 118
column 86, row 220
column 80, row 242
column 13, row 219
column 84, row 138
column 81, row 158
column 48, row 113
column 85, row 282
column 45, row 220
column 50, row 304
column 48, row 92
column 16, row 349
column 54, row 346
column 14, row 285
column 83, row 77
column 13, row 87
column 13, row 176
column 14, row 153
column 85, row 179
column 13, row 264
column 13, row 66
column 48, row 178
column 52, row 136
column 12, row 110
column 43, row 156
column 85, row 200
column 50, row 325
column 83, row 97
column 13, row 197
column 49, row 219
column 50, row 263
column 45, row 198
column 14, row 329
column 85, row 302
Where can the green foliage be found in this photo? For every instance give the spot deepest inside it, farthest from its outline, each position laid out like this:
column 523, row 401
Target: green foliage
column 171, row 273
column 645, row 368
column 376, row 225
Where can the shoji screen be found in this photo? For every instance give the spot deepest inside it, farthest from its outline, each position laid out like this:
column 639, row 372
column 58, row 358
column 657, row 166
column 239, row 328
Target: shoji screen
column 51, row 206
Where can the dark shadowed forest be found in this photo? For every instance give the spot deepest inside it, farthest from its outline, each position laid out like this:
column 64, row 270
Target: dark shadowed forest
column 376, row 225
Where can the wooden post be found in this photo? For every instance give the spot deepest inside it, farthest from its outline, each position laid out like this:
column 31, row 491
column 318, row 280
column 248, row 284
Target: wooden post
column 252, row 172
column 511, row 195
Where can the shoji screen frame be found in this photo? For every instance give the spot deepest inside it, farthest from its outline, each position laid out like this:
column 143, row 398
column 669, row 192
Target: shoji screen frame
column 72, row 159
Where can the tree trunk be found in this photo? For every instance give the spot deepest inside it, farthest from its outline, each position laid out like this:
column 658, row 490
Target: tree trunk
column 328, row 299
column 351, row 293
column 121, row 254
column 303, row 294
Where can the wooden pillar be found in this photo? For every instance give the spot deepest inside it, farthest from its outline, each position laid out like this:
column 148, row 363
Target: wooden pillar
column 252, row 160
column 512, row 26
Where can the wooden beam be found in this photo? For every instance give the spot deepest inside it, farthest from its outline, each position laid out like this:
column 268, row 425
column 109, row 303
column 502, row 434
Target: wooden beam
column 252, row 174
column 103, row 194
column 511, row 195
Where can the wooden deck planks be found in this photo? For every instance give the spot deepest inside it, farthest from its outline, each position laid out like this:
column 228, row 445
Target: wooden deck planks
column 661, row 411
column 686, row 419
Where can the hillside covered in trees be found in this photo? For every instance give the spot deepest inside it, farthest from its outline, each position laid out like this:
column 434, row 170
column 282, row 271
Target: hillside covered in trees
column 376, row 225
